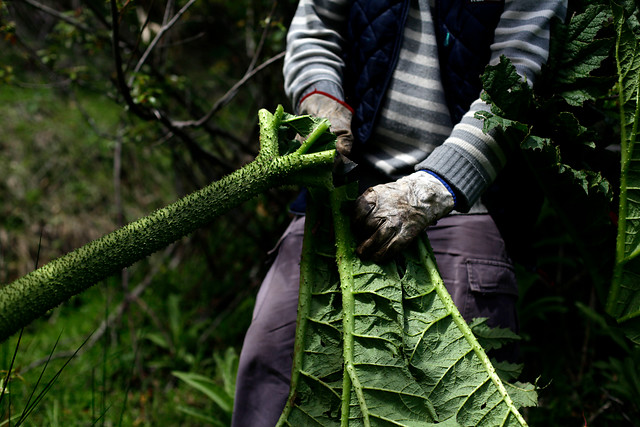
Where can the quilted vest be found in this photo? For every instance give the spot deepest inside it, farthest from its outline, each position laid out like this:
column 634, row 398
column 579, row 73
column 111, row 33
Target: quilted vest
column 464, row 31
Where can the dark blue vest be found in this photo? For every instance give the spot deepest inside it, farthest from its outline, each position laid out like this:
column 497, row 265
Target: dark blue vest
column 464, row 30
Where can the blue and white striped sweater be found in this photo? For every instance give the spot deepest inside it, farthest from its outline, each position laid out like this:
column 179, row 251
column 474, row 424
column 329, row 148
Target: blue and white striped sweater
column 414, row 130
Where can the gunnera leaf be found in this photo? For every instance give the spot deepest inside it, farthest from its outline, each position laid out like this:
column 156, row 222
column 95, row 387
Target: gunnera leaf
column 558, row 150
column 578, row 50
column 293, row 127
column 624, row 297
column 380, row 345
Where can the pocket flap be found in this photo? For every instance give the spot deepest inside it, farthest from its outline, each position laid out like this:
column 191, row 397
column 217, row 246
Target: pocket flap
column 490, row 276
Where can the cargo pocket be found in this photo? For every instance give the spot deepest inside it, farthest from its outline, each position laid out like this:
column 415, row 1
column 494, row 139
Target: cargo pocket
column 491, row 277
column 493, row 293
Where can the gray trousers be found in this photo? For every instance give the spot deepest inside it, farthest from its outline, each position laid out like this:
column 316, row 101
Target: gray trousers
column 476, row 270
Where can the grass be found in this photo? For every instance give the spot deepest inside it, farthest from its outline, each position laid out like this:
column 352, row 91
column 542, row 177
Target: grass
column 101, row 385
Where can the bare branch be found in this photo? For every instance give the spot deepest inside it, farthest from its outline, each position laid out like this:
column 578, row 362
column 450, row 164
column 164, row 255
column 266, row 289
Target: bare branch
column 124, row 88
column 224, row 100
column 159, row 35
column 251, row 71
column 167, row 12
column 199, row 154
column 58, row 15
column 263, row 37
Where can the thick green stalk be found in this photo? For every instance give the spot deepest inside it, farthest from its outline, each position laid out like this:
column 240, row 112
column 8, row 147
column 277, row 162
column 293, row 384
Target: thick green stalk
column 307, row 263
column 313, row 137
column 34, row 294
column 269, row 124
column 627, row 144
column 345, row 256
column 426, row 254
column 625, row 155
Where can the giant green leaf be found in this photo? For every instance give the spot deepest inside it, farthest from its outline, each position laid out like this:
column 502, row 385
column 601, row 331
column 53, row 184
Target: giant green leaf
column 624, row 298
column 559, row 148
column 578, row 50
column 555, row 145
column 384, row 344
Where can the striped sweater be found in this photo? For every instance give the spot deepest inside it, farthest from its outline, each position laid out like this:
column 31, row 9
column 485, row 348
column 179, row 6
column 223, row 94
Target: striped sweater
column 414, row 130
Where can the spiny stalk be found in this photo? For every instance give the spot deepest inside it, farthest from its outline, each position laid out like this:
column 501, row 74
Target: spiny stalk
column 426, row 254
column 34, row 294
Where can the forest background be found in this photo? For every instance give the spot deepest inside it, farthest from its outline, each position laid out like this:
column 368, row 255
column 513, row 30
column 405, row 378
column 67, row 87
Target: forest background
column 80, row 155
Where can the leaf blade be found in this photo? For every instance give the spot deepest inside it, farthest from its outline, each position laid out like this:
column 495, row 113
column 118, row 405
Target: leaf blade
column 402, row 366
column 623, row 301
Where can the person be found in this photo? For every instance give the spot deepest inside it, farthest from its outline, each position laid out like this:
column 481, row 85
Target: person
column 399, row 80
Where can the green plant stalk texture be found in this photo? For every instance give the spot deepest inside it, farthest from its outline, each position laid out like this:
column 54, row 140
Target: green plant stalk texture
column 628, row 77
column 344, row 258
column 626, row 154
column 304, row 307
column 430, row 264
column 32, row 295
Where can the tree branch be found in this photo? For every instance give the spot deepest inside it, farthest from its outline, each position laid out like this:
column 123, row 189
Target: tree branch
column 228, row 96
column 199, row 154
column 263, row 37
column 59, row 15
column 251, row 71
column 160, row 34
column 122, row 84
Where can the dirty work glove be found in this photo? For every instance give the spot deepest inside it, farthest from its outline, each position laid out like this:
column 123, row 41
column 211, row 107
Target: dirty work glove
column 389, row 216
column 319, row 104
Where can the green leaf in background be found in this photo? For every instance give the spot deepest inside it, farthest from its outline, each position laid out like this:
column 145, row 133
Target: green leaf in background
column 561, row 151
column 554, row 146
column 384, row 344
column 580, row 49
column 509, row 95
column 491, row 338
column 220, row 391
column 624, row 297
column 206, row 385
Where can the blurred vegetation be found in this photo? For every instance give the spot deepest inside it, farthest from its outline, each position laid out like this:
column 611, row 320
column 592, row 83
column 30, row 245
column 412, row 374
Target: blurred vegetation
column 80, row 154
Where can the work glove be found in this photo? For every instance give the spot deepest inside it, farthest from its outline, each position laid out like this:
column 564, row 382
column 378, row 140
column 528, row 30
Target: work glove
column 389, row 216
column 339, row 115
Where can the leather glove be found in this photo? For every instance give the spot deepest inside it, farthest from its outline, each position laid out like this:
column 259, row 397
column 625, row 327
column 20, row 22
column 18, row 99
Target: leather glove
column 339, row 115
column 389, row 216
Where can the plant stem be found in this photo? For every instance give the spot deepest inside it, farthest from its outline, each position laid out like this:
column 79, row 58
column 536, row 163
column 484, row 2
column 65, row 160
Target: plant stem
column 34, row 294
column 308, row 260
column 426, row 254
column 348, row 305
column 345, row 256
column 626, row 154
column 313, row 137
column 269, row 124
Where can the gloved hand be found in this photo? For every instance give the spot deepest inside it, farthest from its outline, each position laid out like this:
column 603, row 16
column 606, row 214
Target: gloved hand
column 320, row 105
column 389, row 216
